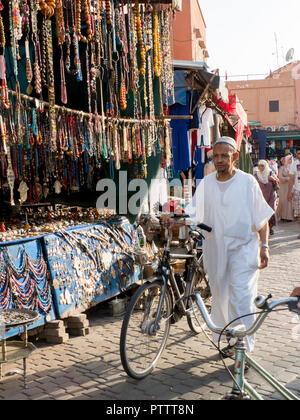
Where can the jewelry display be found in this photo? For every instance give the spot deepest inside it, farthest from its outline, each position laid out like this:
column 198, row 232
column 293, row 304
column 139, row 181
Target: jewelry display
column 88, row 263
column 111, row 51
column 23, row 281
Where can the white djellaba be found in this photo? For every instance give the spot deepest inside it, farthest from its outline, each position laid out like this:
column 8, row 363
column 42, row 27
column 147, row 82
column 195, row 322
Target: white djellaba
column 236, row 212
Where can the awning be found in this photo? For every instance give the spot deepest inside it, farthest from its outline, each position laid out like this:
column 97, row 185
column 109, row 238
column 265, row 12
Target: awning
column 189, row 65
column 283, row 136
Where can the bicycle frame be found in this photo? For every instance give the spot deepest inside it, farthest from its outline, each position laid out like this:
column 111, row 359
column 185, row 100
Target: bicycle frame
column 167, row 274
column 241, row 388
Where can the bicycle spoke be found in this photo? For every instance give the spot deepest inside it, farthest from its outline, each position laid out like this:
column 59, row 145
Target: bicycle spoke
column 144, row 340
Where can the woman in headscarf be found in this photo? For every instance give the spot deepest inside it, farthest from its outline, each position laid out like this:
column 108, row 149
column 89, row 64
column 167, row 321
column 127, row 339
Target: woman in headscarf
column 285, row 207
column 267, row 183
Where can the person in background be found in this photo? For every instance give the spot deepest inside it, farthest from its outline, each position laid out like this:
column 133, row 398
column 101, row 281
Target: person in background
column 209, row 167
column 294, row 186
column 285, row 209
column 267, row 185
column 274, row 166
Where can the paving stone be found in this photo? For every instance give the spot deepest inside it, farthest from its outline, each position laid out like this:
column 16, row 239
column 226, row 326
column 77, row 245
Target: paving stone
column 89, row 367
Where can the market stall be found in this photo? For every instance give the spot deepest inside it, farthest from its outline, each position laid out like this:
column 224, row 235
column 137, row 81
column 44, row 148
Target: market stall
column 83, row 84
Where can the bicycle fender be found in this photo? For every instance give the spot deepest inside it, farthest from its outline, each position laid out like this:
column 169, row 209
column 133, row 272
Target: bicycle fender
column 152, row 279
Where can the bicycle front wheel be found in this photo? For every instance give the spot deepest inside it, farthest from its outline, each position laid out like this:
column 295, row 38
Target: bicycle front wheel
column 142, row 341
column 199, row 284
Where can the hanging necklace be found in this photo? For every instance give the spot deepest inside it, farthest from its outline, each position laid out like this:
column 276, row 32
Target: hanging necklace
column 156, row 44
column 4, row 90
column 51, row 87
column 61, row 35
column 140, row 39
column 167, row 64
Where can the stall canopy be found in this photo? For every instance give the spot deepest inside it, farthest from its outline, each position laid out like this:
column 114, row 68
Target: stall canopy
column 283, row 135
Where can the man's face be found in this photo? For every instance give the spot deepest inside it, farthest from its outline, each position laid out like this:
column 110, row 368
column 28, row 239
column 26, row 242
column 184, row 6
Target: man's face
column 223, row 158
column 298, row 154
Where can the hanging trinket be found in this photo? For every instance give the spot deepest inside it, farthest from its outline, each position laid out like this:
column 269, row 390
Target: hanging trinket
column 47, row 8
column 51, row 86
column 29, row 74
column 4, row 90
column 10, row 172
column 123, row 100
column 63, row 86
column 23, row 190
column 140, row 39
column 156, row 44
column 108, row 10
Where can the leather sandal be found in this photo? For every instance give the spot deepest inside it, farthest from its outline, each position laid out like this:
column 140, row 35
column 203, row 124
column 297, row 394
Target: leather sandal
column 227, row 352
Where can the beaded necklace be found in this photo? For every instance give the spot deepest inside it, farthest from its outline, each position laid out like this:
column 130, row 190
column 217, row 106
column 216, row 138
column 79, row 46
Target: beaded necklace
column 133, row 67
column 140, row 38
column 4, row 90
column 167, row 64
column 36, row 43
column 156, row 44
column 51, row 87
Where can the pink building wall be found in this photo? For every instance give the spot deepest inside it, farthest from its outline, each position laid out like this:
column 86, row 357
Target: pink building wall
column 284, row 86
column 189, row 33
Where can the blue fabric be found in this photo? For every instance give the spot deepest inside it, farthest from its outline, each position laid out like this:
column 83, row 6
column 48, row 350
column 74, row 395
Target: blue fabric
column 261, row 138
column 196, row 121
column 180, row 87
column 199, row 165
column 180, row 138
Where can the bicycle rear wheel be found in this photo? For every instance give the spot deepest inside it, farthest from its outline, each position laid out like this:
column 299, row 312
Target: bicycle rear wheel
column 199, row 284
column 141, row 346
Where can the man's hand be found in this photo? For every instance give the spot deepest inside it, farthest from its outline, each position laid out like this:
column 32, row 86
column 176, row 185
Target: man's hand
column 170, row 222
column 296, row 293
column 264, row 258
column 290, row 196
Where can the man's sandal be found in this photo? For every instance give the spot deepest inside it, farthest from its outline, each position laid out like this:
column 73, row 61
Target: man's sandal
column 228, row 352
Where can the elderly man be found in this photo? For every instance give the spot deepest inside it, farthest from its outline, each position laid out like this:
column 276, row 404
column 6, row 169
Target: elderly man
column 231, row 202
column 294, row 186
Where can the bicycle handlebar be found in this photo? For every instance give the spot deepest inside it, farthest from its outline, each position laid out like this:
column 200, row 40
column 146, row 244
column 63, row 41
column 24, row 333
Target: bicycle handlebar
column 238, row 333
column 200, row 225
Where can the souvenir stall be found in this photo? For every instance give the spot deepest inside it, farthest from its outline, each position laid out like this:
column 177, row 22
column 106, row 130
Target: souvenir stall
column 200, row 120
column 206, row 111
column 81, row 99
column 281, row 143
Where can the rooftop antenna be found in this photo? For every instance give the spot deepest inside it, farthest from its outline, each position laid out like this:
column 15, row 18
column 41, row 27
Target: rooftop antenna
column 277, row 55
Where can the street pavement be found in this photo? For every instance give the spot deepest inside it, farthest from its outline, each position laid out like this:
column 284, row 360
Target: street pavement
column 89, row 368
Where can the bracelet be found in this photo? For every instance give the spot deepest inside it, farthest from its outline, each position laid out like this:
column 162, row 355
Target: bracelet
column 264, row 246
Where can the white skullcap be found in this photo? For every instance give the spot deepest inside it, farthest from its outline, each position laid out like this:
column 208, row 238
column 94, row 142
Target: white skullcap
column 227, row 140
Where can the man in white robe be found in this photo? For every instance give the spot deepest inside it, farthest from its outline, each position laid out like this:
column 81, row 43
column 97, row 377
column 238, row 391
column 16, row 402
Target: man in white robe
column 231, row 202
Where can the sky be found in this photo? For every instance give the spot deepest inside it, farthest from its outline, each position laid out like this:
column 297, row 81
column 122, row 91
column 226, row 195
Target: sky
column 241, row 35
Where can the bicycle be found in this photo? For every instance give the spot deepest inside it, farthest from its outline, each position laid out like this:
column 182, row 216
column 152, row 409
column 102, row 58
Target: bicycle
column 241, row 389
column 161, row 301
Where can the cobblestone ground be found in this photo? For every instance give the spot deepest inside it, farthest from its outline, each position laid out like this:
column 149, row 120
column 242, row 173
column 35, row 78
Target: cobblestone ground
column 190, row 369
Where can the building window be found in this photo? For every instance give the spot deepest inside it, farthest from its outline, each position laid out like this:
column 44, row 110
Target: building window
column 274, row 106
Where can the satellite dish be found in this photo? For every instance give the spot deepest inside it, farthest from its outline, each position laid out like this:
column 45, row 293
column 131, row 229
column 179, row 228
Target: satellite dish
column 290, row 55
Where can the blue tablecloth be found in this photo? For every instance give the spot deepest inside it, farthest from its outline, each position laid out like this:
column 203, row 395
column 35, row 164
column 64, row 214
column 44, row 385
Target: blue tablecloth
column 80, row 276
column 24, row 282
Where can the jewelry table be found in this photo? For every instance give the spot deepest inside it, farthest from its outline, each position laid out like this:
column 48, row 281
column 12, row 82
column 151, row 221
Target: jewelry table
column 11, row 351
